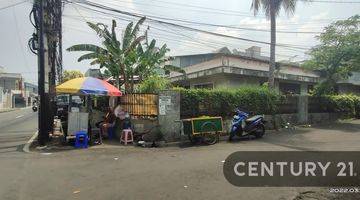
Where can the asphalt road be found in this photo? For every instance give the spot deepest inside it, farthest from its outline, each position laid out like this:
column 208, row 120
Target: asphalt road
column 114, row 171
column 16, row 128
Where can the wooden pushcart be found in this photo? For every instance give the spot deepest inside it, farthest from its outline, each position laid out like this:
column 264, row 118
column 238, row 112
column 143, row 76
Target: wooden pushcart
column 203, row 129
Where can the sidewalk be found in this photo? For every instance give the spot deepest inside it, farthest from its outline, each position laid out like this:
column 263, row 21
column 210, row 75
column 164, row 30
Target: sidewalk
column 3, row 110
column 7, row 110
column 297, row 138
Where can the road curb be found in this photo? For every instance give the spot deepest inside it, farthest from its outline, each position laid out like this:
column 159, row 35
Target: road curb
column 7, row 110
column 26, row 148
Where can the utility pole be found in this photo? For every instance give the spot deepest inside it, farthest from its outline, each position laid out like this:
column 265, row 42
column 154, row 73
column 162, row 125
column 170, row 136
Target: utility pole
column 42, row 134
column 46, row 43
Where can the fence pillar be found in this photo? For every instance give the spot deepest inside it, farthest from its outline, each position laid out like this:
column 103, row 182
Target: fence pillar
column 169, row 112
column 302, row 109
column 303, row 89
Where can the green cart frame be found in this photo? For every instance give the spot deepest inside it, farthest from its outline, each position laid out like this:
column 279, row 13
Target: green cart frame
column 204, row 129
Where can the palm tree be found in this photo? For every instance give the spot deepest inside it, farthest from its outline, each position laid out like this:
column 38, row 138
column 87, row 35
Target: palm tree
column 147, row 60
column 113, row 55
column 272, row 9
column 127, row 58
column 153, row 58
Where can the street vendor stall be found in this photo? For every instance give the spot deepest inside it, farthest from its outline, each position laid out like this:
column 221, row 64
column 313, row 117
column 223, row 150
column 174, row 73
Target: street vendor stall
column 203, row 129
column 78, row 119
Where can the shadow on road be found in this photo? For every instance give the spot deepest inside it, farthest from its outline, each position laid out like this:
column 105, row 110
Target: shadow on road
column 21, row 131
column 14, row 148
column 344, row 126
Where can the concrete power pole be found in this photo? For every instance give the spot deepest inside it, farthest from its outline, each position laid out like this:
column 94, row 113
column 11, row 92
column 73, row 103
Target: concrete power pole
column 43, row 134
column 49, row 51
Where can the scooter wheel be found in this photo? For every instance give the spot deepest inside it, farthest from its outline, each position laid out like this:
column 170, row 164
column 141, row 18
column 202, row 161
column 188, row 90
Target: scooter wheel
column 259, row 131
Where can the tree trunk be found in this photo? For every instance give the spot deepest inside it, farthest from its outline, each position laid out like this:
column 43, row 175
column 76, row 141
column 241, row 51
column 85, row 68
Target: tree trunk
column 272, row 65
column 132, row 84
column 117, row 79
column 126, row 81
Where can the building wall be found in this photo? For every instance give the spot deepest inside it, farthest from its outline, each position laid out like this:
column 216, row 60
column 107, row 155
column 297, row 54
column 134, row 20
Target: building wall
column 31, row 88
column 5, row 99
column 245, row 64
column 226, row 81
column 348, row 88
column 9, row 83
column 184, row 61
column 232, row 71
column 9, row 86
column 235, row 81
column 30, row 93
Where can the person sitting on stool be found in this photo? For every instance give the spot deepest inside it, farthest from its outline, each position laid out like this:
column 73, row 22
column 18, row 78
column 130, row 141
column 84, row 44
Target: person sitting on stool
column 108, row 121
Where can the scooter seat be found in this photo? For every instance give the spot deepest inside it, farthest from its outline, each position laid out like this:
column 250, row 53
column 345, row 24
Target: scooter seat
column 253, row 118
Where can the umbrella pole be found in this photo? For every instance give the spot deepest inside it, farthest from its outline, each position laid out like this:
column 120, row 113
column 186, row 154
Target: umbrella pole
column 70, row 101
column 88, row 104
column 89, row 111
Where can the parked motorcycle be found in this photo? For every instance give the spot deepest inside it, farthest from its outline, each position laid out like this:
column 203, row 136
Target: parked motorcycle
column 35, row 108
column 243, row 125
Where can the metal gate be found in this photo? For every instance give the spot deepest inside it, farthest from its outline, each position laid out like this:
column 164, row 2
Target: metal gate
column 140, row 105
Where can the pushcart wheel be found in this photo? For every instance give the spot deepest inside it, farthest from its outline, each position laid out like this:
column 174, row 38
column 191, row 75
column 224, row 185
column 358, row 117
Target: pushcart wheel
column 211, row 138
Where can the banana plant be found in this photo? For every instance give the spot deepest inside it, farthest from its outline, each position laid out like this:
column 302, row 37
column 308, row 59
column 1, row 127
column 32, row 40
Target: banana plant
column 113, row 54
column 151, row 59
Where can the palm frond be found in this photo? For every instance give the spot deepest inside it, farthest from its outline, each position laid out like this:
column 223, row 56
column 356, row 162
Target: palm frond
column 133, row 44
column 127, row 37
column 137, row 26
column 140, row 50
column 95, row 62
column 113, row 33
column 255, row 6
column 152, row 44
column 86, row 47
column 289, row 6
column 96, row 27
column 88, row 56
column 163, row 50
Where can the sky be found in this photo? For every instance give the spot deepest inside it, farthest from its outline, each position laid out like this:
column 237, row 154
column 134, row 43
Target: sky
column 16, row 29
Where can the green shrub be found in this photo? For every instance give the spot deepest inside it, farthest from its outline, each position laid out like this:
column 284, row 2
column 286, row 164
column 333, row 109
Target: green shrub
column 347, row 104
column 154, row 84
column 257, row 100
column 222, row 102
column 357, row 108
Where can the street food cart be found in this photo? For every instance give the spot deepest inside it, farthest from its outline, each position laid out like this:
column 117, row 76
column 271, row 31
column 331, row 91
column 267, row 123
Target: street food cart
column 203, row 129
column 78, row 118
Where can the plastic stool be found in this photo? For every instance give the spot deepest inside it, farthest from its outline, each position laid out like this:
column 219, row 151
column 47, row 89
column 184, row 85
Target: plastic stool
column 81, row 139
column 127, row 136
